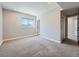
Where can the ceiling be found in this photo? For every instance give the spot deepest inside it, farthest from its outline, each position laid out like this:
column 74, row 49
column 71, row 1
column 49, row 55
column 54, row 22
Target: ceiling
column 34, row 8
column 67, row 5
column 37, row 8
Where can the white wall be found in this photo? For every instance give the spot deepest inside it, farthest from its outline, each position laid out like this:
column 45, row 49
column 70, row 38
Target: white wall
column 50, row 25
column 72, row 27
column 12, row 26
column 1, row 32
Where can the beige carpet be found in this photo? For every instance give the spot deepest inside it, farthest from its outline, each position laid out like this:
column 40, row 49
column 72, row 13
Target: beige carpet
column 37, row 47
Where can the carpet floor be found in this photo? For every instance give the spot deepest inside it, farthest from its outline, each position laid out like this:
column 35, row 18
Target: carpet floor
column 37, row 47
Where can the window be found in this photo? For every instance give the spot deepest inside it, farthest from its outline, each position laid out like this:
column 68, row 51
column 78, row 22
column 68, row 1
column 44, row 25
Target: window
column 27, row 21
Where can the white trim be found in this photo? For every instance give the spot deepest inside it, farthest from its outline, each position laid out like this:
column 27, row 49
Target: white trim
column 19, row 37
column 1, row 42
column 72, row 34
column 50, row 39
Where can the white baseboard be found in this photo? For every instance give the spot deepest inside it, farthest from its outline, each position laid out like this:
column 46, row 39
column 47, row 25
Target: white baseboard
column 19, row 37
column 51, row 39
column 1, row 42
column 72, row 36
column 31, row 36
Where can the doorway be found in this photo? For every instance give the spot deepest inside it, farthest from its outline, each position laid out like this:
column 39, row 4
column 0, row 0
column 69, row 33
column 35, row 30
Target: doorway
column 70, row 24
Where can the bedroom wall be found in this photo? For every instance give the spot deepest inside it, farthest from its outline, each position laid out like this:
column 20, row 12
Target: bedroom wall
column 13, row 27
column 50, row 25
column 1, row 26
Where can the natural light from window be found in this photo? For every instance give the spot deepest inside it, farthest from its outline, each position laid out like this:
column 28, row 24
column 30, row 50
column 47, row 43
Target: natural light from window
column 26, row 21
